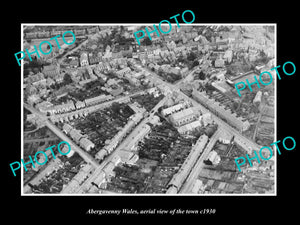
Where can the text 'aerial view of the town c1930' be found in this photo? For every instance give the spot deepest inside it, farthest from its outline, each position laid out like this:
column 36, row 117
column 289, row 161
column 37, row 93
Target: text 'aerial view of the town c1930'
column 156, row 118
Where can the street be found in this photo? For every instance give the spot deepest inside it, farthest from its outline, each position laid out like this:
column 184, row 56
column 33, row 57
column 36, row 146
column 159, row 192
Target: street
column 88, row 158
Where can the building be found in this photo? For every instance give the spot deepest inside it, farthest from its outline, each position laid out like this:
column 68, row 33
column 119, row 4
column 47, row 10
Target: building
column 198, row 187
column 123, row 71
column 97, row 99
column 257, row 98
column 79, row 105
column 74, row 62
column 67, row 128
column 99, row 179
column 86, row 144
column 228, row 56
column 190, row 127
column 79, row 32
column 183, row 117
column 101, row 154
column 94, row 59
column 214, row 158
column 66, row 107
column 50, row 81
column 115, row 91
column 232, row 119
column 218, row 87
column 51, row 70
column 108, row 170
column 35, row 79
column 132, row 80
column 65, row 149
column 219, row 63
column 184, row 71
column 33, row 99
column 179, row 178
column 125, row 155
column 84, row 59
column 45, row 107
column 172, row 109
column 206, row 119
column 75, row 135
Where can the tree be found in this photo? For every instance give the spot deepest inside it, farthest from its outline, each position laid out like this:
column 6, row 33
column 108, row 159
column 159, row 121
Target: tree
column 67, row 78
column 192, row 56
column 235, row 105
column 195, row 63
column 201, row 75
column 115, row 107
column 146, row 41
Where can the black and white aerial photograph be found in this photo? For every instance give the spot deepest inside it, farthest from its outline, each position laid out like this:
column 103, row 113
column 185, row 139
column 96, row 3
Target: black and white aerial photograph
column 137, row 111
column 158, row 114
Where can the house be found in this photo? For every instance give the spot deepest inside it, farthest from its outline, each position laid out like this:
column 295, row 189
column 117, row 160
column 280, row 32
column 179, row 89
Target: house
column 187, row 128
column 257, row 98
column 98, row 99
column 172, row 109
column 92, row 30
column 99, row 179
column 101, row 154
column 75, row 135
column 33, row 99
column 108, row 170
column 34, row 79
column 125, row 155
column 44, row 106
column 214, row 157
column 74, row 62
column 84, row 59
column 51, row 70
column 183, row 117
column 124, row 71
column 184, row 71
column 206, row 119
column 231, row 118
column 67, row 128
column 59, row 78
column 50, row 81
column 132, row 80
column 219, row 63
column 79, row 32
column 228, row 56
column 94, row 59
column 66, row 149
column 86, row 144
column 79, row 105
column 115, row 91
column 31, row 35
